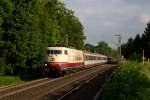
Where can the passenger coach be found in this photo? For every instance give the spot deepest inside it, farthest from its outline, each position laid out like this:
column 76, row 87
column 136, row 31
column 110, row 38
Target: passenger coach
column 94, row 59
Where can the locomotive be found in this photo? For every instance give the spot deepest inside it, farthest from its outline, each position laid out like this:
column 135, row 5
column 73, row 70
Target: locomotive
column 60, row 59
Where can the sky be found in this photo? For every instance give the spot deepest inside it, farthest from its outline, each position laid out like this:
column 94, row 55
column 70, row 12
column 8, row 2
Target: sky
column 103, row 19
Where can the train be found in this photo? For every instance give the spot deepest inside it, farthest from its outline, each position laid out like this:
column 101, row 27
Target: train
column 60, row 59
column 111, row 60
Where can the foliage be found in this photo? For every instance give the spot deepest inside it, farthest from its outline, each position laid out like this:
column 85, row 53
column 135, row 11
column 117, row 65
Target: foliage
column 135, row 56
column 9, row 80
column 89, row 47
column 137, row 45
column 129, row 82
column 102, row 48
column 27, row 27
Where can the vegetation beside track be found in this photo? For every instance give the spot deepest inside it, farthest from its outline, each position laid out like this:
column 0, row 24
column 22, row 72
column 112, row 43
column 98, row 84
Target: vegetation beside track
column 131, row 81
column 16, row 79
column 9, row 80
column 27, row 27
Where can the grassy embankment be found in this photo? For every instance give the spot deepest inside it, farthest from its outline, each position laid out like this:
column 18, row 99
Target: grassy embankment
column 12, row 80
column 131, row 81
column 24, row 77
column 9, row 80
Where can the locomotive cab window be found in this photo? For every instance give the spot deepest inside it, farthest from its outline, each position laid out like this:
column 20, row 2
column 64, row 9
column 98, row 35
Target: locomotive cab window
column 54, row 52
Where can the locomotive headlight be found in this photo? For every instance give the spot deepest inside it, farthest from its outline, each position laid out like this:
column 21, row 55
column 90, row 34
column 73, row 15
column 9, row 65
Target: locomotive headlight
column 45, row 65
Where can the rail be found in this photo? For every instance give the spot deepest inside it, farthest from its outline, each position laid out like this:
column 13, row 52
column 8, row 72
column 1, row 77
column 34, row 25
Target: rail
column 38, row 89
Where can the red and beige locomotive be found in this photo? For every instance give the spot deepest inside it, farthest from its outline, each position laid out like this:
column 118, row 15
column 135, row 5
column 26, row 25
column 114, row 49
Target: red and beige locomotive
column 62, row 58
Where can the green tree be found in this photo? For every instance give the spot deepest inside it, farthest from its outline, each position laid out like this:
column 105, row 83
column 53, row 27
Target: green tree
column 6, row 9
column 146, row 40
column 27, row 27
column 134, row 47
column 89, row 47
column 127, row 48
column 103, row 47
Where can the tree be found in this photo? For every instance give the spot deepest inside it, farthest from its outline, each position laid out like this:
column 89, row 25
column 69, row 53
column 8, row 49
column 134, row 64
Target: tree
column 103, row 47
column 127, row 49
column 27, row 27
column 146, row 40
column 6, row 9
column 134, row 47
column 89, row 47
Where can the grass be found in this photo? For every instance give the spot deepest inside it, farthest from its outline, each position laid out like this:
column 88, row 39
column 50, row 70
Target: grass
column 131, row 81
column 9, row 80
column 22, row 76
column 12, row 80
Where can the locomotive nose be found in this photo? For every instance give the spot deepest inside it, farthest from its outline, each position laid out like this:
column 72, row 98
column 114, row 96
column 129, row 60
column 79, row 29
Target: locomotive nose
column 54, row 66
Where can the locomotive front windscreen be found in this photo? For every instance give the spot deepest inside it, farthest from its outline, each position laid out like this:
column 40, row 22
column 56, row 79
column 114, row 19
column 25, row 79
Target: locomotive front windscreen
column 54, row 52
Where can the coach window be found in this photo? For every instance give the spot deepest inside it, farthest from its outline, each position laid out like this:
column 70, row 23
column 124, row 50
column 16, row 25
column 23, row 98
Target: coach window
column 66, row 52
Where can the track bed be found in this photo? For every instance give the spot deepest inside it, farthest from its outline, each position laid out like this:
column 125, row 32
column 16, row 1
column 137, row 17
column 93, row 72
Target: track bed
column 54, row 88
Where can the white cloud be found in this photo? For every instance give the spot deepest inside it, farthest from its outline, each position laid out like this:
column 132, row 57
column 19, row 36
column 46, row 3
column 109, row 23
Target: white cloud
column 104, row 18
column 145, row 18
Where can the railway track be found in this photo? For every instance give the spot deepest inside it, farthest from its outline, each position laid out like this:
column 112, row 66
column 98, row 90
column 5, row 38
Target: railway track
column 82, row 91
column 62, row 91
column 75, row 88
column 98, row 94
column 40, row 89
column 12, row 88
column 4, row 92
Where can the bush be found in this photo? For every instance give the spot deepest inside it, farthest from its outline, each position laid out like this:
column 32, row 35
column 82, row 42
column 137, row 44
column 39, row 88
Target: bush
column 128, row 83
column 9, row 80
